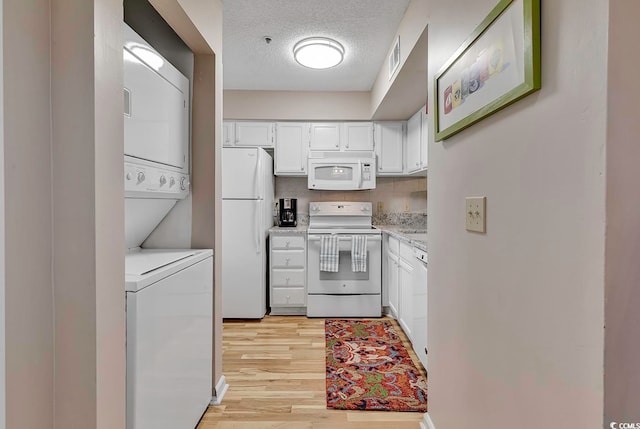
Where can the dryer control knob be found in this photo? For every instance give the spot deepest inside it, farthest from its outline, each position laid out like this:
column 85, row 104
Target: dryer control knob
column 141, row 177
column 184, row 183
column 163, row 180
column 129, row 176
column 172, row 182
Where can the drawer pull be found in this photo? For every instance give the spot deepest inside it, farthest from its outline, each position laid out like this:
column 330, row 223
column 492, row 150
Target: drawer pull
column 286, row 261
column 288, row 280
column 288, row 244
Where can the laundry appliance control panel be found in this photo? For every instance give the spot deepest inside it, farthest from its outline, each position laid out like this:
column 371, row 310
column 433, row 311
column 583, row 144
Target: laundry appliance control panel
column 142, row 180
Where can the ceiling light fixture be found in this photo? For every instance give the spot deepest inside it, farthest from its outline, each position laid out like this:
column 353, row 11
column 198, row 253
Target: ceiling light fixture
column 318, row 53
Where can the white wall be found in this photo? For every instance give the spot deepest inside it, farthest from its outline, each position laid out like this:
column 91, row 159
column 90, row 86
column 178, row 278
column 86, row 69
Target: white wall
column 410, row 30
column 622, row 294
column 516, row 314
column 28, row 214
column 88, row 213
column 296, row 105
column 199, row 25
column 2, row 316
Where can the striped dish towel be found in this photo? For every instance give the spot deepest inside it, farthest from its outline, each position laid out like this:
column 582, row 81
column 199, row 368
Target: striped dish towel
column 359, row 253
column 329, row 253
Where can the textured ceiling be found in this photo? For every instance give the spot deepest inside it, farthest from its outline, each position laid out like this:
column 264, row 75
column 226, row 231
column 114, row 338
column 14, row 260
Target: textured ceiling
column 365, row 28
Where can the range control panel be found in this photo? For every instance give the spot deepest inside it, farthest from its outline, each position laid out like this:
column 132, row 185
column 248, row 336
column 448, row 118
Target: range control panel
column 142, row 180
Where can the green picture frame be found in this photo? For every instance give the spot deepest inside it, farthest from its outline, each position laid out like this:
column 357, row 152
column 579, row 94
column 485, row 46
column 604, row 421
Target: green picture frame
column 496, row 66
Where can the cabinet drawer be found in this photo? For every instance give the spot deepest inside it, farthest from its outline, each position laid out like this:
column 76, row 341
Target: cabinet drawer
column 288, row 278
column 394, row 245
column 287, row 242
column 288, row 258
column 287, row 296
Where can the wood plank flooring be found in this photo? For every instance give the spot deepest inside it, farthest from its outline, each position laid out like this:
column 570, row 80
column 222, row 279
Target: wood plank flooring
column 275, row 369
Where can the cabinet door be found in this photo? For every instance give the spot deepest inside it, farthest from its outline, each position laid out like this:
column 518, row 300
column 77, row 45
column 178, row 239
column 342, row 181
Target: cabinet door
column 389, row 144
column 254, row 134
column 424, row 138
column 325, row 136
column 392, row 270
column 228, row 134
column 413, row 154
column 405, row 292
column 357, row 135
column 292, row 144
column 420, row 306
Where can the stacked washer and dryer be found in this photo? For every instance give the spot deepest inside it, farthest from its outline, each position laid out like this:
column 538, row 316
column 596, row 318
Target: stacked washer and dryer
column 169, row 292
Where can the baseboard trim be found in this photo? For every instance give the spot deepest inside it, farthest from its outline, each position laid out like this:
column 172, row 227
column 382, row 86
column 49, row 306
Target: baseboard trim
column 220, row 390
column 426, row 422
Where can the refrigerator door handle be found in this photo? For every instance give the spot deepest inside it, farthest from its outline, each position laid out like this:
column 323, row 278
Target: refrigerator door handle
column 257, row 215
column 257, row 177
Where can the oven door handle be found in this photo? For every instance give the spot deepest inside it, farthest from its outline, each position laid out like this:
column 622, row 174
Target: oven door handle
column 372, row 237
column 359, row 174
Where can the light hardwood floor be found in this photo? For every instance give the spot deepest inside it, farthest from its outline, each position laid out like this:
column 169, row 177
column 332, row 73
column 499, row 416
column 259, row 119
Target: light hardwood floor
column 276, row 372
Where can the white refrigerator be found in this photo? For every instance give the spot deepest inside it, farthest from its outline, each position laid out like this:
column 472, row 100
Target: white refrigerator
column 247, row 215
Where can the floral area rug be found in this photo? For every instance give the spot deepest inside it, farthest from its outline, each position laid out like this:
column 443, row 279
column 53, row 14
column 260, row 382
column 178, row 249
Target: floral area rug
column 368, row 368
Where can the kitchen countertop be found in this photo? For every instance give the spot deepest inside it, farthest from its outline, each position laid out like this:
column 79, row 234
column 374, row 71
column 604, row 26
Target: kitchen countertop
column 414, row 236
column 300, row 229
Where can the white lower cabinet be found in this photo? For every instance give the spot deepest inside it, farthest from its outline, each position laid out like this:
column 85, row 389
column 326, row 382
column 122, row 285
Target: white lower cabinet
column 405, row 292
column 288, row 273
column 405, row 289
column 391, row 278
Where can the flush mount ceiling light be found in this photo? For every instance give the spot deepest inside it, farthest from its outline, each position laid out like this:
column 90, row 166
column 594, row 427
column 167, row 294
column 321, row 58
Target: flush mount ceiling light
column 318, row 52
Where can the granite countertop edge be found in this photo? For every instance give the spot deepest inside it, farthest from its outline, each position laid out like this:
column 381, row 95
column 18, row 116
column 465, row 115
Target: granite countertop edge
column 300, row 229
column 394, row 230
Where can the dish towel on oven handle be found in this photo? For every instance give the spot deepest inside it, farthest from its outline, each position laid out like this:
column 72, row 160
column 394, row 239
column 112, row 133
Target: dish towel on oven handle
column 359, row 253
column 329, row 253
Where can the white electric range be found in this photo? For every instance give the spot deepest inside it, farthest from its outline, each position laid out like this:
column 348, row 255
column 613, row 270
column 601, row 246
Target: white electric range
column 343, row 293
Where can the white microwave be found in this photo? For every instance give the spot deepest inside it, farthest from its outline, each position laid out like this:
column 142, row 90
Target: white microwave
column 343, row 173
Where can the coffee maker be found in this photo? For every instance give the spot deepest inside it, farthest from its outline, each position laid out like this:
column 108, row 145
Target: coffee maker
column 288, row 215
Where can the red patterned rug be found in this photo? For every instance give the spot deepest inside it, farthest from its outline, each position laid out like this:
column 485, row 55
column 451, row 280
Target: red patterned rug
column 368, row 368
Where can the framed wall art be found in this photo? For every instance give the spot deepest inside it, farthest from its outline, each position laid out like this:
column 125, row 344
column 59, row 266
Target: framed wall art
column 496, row 66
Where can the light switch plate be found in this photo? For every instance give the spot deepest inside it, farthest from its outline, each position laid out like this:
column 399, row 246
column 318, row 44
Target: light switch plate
column 475, row 213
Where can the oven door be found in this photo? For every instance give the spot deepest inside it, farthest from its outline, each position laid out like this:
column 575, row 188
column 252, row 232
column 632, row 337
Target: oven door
column 345, row 281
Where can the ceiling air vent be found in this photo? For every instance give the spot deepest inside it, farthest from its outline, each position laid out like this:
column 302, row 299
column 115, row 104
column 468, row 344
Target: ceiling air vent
column 394, row 58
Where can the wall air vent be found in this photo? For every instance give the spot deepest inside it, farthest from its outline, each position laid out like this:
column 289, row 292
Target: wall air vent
column 394, row 58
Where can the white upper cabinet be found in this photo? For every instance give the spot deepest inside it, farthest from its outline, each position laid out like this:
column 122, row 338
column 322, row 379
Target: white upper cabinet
column 325, row 136
column 249, row 134
column 292, row 143
column 389, row 138
column 357, row 136
column 424, row 137
column 342, row 136
column 417, row 137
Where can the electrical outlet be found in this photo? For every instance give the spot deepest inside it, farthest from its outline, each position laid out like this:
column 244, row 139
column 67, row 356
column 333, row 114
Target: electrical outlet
column 380, row 206
column 475, row 214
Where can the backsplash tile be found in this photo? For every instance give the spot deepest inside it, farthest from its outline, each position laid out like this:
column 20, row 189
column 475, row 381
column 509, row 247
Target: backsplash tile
column 416, row 221
column 404, row 199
